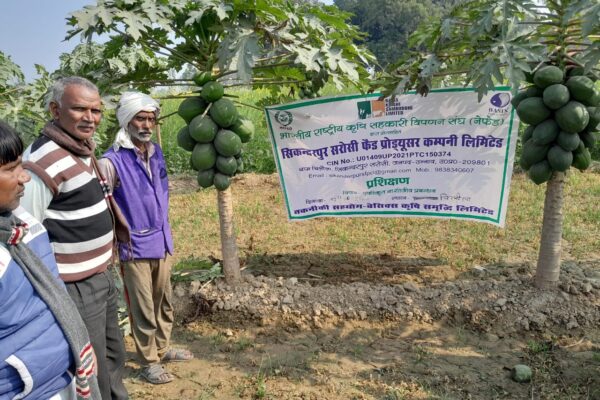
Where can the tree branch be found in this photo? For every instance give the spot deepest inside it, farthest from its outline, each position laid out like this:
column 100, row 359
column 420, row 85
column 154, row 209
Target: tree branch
column 166, row 116
column 288, row 64
column 15, row 89
column 260, row 60
column 248, row 105
column 163, row 82
column 266, row 82
column 549, row 23
column 171, row 97
column 577, row 44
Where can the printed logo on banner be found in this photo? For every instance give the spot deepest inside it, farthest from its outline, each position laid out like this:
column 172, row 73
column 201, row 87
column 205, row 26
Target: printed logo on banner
column 364, row 109
column 380, row 108
column 500, row 102
column 284, row 117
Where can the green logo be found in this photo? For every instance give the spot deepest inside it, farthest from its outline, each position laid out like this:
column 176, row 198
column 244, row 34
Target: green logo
column 364, row 109
column 284, row 117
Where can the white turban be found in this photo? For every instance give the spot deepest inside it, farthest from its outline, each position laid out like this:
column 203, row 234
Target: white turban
column 130, row 104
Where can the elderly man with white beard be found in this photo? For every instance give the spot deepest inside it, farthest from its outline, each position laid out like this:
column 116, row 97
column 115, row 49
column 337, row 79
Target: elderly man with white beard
column 135, row 169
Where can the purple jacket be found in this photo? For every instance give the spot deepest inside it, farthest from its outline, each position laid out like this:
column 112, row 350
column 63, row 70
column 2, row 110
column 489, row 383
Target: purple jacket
column 144, row 203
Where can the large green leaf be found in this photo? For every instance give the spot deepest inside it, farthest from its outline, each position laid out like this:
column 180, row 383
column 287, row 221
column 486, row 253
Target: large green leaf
column 22, row 104
column 10, row 73
column 241, row 52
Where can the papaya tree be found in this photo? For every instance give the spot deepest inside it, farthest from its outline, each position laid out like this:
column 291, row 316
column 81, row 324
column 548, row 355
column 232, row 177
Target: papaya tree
column 21, row 103
column 551, row 49
column 285, row 46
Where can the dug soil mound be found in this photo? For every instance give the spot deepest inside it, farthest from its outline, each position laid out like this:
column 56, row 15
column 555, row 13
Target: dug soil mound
column 499, row 300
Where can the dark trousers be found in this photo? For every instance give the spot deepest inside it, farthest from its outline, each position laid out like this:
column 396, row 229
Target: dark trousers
column 96, row 299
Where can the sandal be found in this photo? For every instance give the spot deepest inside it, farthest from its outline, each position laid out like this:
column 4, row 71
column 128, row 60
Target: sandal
column 156, row 374
column 177, row 355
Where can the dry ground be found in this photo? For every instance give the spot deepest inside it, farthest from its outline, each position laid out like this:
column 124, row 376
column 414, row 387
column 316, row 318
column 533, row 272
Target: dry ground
column 363, row 324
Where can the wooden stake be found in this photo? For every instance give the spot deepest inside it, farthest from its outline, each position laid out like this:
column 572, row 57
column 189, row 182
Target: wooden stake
column 158, row 139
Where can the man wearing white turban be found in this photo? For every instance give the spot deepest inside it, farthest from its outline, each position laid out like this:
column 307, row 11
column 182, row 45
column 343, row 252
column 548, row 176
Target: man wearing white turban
column 135, row 169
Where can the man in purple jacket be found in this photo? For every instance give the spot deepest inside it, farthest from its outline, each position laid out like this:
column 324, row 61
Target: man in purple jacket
column 135, row 168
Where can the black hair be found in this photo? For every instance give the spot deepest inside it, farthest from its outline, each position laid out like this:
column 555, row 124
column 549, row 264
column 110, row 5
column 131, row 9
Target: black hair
column 11, row 145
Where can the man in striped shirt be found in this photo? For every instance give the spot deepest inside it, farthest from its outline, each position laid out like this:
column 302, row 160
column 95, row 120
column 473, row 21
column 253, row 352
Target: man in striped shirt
column 66, row 194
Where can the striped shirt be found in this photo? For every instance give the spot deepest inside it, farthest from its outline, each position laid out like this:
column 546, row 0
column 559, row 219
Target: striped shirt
column 77, row 218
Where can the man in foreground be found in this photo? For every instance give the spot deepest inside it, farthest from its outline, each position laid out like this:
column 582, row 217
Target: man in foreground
column 66, row 195
column 45, row 352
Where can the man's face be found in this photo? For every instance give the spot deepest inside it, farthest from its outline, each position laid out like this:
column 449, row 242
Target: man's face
column 141, row 126
column 80, row 111
column 12, row 184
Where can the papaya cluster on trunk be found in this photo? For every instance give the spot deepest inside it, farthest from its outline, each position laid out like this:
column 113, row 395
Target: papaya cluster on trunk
column 214, row 133
column 563, row 114
column 315, row 81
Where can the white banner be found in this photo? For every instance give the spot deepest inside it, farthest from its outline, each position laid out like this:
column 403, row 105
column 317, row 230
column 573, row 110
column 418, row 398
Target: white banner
column 445, row 155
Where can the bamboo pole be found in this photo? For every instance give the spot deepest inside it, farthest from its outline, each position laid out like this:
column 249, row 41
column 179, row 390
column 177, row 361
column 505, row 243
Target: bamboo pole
column 158, row 138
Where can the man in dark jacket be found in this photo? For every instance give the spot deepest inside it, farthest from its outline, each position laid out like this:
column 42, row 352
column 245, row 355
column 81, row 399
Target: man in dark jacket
column 45, row 350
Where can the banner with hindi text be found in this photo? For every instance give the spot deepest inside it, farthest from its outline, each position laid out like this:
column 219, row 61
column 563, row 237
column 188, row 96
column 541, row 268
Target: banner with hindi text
column 445, row 155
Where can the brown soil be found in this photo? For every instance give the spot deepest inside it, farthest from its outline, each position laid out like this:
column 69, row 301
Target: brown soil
column 322, row 326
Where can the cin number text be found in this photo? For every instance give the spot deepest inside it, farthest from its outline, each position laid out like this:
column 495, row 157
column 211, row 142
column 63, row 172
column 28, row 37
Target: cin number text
column 411, row 154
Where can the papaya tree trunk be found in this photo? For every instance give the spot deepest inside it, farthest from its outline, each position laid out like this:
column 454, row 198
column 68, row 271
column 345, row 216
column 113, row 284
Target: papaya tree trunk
column 229, row 250
column 548, row 265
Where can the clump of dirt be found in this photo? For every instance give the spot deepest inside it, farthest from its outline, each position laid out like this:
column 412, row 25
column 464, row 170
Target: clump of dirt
column 491, row 299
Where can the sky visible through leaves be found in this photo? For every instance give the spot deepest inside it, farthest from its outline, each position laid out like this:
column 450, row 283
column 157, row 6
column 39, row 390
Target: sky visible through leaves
column 32, row 32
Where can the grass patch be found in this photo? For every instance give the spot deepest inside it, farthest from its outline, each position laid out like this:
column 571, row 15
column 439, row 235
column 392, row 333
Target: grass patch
column 260, row 387
column 536, row 347
column 191, row 268
column 217, row 340
column 264, row 233
column 243, row 343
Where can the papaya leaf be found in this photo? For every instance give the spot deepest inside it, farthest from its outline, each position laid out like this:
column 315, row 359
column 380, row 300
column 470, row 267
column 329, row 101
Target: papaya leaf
column 119, row 65
column 157, row 14
column 308, row 58
column 104, row 16
column 89, row 17
column 21, row 103
column 195, row 15
column 348, row 69
column 590, row 20
column 241, row 54
column 222, row 10
column 147, row 37
column 9, row 71
column 134, row 23
column 591, row 60
column 430, row 66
